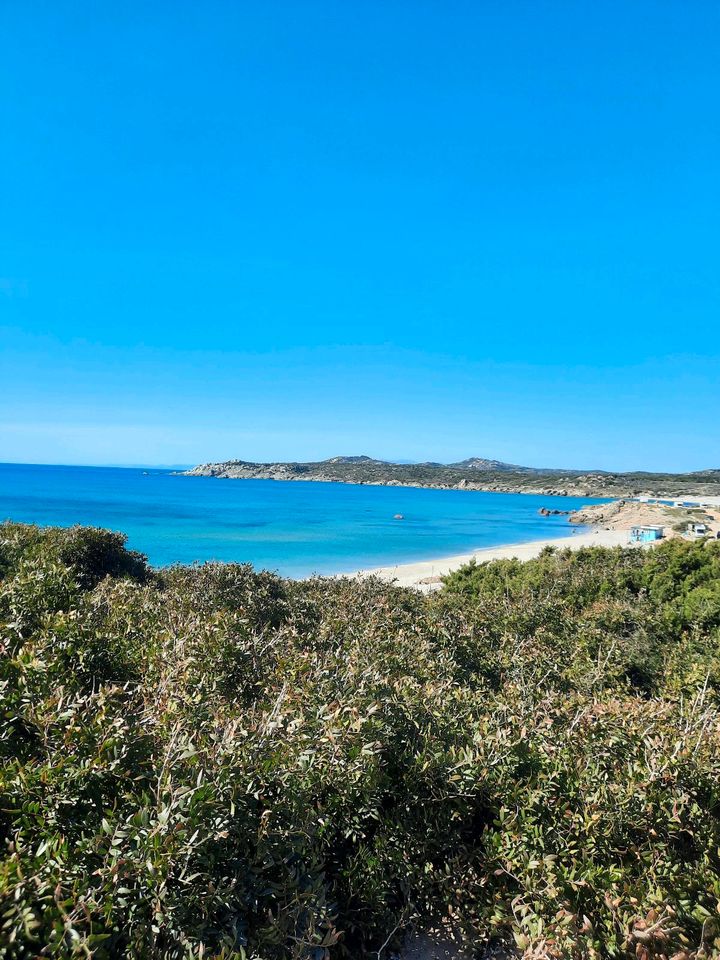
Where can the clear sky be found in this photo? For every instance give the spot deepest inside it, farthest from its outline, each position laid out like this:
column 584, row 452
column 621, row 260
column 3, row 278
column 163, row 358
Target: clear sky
column 412, row 229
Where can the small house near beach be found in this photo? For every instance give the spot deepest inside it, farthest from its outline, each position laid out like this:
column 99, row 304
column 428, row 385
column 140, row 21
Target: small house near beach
column 697, row 529
column 646, row 534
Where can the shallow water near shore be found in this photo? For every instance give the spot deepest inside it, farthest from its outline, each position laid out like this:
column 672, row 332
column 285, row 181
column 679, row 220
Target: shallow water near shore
column 295, row 528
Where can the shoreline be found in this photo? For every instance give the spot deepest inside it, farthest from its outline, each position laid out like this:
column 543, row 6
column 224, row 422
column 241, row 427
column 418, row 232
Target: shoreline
column 504, row 479
column 425, row 575
column 460, row 487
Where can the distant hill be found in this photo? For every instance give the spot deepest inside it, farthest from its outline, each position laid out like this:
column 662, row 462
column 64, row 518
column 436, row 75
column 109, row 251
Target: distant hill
column 480, row 463
column 473, row 473
column 360, row 459
column 471, row 463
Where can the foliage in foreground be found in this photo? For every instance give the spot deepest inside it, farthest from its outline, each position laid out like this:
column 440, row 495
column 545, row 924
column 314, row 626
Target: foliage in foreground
column 213, row 762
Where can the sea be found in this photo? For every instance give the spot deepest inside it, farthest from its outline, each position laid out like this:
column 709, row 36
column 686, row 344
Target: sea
column 294, row 528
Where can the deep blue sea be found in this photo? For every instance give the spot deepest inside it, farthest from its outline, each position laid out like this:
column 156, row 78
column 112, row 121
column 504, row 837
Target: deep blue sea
column 296, row 528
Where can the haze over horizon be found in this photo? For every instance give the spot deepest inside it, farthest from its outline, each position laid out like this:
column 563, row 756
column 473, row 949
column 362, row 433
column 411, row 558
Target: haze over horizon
column 395, row 461
column 279, row 232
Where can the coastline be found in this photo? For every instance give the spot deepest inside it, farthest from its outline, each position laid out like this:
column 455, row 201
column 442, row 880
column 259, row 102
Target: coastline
column 465, row 486
column 425, row 575
column 481, row 475
column 606, row 524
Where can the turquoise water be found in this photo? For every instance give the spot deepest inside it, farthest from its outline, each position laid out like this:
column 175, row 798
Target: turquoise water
column 296, row 528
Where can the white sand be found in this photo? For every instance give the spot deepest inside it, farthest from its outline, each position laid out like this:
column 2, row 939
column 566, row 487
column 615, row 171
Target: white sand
column 425, row 574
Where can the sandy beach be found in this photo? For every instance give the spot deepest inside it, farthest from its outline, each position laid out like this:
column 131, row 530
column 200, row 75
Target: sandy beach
column 425, row 575
column 603, row 525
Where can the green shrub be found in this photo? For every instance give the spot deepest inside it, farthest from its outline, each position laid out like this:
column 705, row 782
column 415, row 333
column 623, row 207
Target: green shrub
column 91, row 552
column 213, row 762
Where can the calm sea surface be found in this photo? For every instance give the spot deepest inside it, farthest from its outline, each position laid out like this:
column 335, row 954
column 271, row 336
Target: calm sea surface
column 296, row 528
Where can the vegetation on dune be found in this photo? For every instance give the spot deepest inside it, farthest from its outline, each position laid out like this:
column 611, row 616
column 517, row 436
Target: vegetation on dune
column 214, row 762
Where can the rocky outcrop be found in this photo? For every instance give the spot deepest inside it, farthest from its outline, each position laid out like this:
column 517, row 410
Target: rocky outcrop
column 472, row 474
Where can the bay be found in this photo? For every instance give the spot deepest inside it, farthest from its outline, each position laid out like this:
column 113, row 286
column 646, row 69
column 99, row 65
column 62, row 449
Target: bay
column 295, row 528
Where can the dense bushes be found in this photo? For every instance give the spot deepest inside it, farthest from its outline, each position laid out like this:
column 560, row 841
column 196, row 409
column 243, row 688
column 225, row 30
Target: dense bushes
column 215, row 762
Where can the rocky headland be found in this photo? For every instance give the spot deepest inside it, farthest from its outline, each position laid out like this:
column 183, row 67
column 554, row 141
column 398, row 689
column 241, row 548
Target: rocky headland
column 475, row 473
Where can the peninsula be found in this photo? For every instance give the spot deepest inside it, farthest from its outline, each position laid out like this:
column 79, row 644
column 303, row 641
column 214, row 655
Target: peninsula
column 475, row 473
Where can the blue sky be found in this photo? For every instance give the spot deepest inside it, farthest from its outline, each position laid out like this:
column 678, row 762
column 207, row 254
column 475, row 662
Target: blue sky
column 422, row 230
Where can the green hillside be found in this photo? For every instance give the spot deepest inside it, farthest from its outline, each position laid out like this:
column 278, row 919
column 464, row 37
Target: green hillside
column 473, row 473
